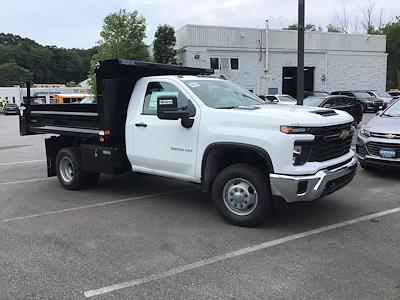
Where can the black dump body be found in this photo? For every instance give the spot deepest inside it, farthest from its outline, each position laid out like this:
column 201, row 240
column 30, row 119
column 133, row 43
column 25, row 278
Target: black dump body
column 97, row 130
column 115, row 81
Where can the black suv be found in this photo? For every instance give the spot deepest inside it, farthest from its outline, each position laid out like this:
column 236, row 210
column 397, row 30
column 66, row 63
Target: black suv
column 368, row 103
column 345, row 103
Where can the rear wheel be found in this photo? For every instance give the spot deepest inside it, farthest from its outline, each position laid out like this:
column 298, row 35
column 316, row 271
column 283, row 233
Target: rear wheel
column 242, row 195
column 69, row 170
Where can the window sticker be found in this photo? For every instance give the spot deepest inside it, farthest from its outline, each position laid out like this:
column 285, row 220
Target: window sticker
column 194, row 84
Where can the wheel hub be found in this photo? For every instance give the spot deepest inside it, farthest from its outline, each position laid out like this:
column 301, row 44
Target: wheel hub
column 240, row 196
column 66, row 169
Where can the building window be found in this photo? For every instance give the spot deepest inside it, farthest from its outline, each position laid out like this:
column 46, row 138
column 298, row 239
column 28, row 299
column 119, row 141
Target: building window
column 214, row 63
column 234, row 63
column 225, row 65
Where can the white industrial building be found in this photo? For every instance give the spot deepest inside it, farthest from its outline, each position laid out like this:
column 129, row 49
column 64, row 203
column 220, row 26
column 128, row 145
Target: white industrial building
column 264, row 60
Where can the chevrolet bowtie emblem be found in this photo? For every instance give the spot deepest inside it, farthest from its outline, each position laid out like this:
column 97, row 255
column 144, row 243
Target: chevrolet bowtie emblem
column 390, row 136
column 344, row 134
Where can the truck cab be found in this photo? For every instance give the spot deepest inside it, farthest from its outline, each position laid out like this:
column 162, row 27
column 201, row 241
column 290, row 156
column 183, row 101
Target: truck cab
column 183, row 123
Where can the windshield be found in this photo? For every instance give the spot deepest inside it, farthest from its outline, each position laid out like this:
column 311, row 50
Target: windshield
column 222, row 94
column 287, row 99
column 393, row 110
column 313, row 101
column 382, row 94
column 362, row 95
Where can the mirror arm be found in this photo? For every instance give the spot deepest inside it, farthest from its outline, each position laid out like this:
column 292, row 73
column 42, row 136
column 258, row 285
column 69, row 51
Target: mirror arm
column 187, row 122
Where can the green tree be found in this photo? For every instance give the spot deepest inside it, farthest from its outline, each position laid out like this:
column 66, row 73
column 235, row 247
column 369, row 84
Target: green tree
column 332, row 28
column 71, row 84
column 122, row 37
column 164, row 45
column 307, row 27
column 12, row 74
column 392, row 32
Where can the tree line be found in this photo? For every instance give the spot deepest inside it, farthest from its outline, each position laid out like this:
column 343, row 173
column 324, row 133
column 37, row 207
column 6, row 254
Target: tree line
column 24, row 59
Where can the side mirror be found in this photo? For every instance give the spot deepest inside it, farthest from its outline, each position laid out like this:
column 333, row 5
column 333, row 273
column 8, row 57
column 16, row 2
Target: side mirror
column 167, row 109
column 327, row 105
column 379, row 113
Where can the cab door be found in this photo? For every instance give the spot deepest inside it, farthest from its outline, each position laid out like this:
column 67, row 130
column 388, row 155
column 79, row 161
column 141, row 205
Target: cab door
column 165, row 147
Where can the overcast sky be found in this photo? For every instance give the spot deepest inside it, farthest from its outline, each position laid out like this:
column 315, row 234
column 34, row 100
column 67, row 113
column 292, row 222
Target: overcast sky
column 77, row 23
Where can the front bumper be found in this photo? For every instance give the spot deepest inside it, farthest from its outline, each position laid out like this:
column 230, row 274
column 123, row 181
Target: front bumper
column 311, row 187
column 11, row 111
column 374, row 106
column 372, row 159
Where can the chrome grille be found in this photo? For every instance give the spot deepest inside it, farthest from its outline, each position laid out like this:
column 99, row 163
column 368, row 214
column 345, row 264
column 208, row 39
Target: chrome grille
column 385, row 135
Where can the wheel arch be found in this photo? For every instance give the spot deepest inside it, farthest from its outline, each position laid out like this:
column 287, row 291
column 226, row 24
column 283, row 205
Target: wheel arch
column 219, row 155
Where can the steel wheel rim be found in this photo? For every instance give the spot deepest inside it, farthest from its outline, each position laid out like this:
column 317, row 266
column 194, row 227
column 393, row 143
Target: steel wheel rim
column 240, row 196
column 66, row 169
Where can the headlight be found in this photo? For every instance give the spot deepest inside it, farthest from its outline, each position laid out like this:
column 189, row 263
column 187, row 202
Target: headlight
column 300, row 154
column 293, row 129
column 365, row 132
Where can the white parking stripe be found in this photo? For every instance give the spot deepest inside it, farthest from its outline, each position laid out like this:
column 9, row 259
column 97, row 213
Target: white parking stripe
column 22, row 162
column 27, row 180
column 54, row 212
column 247, row 250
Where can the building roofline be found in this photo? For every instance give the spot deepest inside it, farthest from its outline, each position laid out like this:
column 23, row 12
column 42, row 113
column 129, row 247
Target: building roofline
column 275, row 29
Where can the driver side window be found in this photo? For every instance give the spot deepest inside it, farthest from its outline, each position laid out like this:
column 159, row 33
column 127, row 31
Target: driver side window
column 156, row 89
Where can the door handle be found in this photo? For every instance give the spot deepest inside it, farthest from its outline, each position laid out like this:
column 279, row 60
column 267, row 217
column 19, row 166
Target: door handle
column 141, row 125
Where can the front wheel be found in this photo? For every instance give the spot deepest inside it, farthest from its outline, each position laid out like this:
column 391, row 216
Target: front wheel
column 242, row 195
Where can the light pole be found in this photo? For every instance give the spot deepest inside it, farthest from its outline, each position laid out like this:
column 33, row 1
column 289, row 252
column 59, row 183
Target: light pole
column 300, row 54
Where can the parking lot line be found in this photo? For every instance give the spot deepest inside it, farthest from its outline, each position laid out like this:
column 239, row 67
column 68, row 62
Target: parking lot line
column 60, row 211
column 240, row 252
column 25, row 181
column 22, row 162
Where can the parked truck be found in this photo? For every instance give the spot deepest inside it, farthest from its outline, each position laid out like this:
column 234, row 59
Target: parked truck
column 186, row 124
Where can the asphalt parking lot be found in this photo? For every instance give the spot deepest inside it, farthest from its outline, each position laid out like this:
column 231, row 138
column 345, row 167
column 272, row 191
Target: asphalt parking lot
column 137, row 236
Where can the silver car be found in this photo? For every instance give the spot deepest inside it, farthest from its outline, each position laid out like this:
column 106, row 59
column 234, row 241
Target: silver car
column 281, row 99
column 378, row 142
column 385, row 97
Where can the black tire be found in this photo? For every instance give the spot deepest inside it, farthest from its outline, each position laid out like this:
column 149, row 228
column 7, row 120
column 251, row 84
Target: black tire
column 77, row 178
column 366, row 167
column 256, row 214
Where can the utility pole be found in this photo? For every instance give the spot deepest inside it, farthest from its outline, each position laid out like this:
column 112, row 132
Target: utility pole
column 300, row 54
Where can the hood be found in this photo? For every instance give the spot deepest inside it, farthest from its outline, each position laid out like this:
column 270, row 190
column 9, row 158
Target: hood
column 295, row 115
column 382, row 124
column 369, row 99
